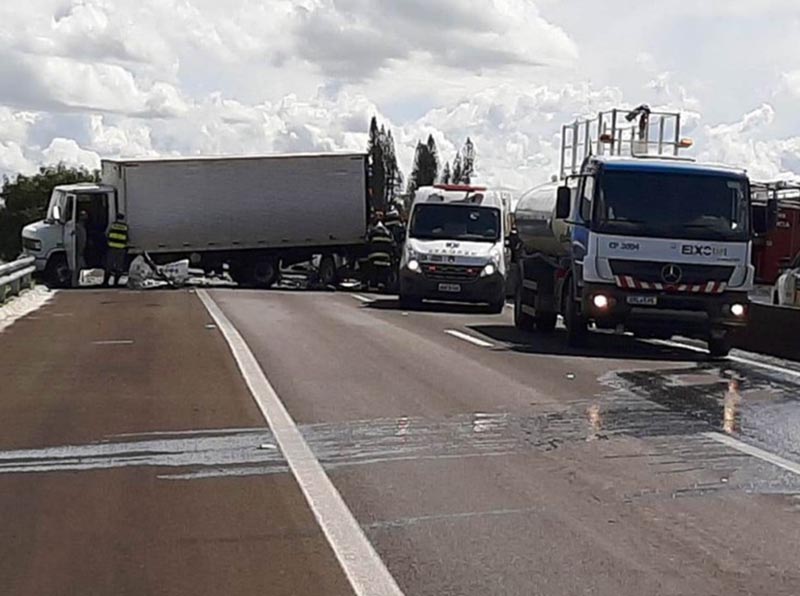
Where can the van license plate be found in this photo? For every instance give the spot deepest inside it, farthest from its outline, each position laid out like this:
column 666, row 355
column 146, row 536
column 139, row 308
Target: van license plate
column 450, row 288
column 643, row 300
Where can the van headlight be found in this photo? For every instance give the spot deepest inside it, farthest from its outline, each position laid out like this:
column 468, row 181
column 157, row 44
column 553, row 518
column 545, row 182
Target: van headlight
column 413, row 265
column 489, row 270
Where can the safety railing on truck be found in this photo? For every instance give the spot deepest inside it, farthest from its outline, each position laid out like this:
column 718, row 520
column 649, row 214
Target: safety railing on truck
column 640, row 132
column 15, row 277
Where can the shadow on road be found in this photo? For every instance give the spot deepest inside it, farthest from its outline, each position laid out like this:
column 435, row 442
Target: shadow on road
column 451, row 308
column 598, row 345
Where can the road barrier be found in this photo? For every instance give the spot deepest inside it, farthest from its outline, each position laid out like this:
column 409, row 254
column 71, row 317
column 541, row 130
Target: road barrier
column 16, row 276
column 773, row 330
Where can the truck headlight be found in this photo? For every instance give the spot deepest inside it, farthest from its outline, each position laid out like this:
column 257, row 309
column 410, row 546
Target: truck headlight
column 489, row 269
column 32, row 244
column 413, row 265
column 738, row 310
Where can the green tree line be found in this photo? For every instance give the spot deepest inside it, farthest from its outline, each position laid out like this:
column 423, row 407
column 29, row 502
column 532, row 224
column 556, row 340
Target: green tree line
column 26, row 199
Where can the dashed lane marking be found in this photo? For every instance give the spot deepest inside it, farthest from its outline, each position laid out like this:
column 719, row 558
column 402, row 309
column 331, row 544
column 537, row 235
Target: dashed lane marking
column 468, row 338
column 113, row 342
column 363, row 567
column 756, row 452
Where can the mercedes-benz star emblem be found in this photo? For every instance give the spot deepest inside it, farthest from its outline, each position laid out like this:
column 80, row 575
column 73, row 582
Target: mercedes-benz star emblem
column 671, row 274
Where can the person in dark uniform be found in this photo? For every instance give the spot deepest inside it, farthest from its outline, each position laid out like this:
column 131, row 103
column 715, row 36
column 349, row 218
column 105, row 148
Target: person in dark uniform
column 381, row 254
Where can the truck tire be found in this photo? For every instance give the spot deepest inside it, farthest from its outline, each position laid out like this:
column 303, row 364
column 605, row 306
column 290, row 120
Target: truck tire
column 576, row 324
column 264, row 273
column 522, row 320
column 57, row 273
column 719, row 347
column 546, row 322
column 328, row 274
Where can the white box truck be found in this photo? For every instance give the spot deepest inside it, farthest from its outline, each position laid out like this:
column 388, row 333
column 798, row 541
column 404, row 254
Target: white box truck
column 253, row 213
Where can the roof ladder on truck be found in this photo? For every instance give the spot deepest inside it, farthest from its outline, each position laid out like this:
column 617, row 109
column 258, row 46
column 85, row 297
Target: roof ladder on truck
column 640, row 133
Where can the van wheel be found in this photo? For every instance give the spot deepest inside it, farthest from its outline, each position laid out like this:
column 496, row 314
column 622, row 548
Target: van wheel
column 497, row 307
column 57, row 273
column 410, row 302
column 264, row 273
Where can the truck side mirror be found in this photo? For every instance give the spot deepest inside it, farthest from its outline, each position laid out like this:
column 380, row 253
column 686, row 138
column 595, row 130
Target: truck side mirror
column 563, row 202
column 772, row 214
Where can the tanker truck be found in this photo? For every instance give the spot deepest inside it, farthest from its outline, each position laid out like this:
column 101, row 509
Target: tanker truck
column 635, row 237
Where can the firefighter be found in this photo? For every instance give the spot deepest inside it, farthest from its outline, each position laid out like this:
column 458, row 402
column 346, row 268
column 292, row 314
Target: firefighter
column 381, row 254
column 117, row 238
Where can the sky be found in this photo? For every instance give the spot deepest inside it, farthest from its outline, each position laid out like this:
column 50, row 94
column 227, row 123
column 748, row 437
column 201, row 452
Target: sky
column 81, row 80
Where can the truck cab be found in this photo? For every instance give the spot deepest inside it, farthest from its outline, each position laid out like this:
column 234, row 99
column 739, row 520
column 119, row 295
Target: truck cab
column 455, row 247
column 637, row 238
column 53, row 242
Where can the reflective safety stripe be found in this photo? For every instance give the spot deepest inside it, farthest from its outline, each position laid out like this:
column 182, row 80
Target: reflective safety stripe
column 382, row 239
column 118, row 236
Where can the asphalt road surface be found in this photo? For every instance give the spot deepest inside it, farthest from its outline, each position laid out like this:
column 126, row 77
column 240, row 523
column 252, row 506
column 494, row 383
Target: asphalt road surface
column 473, row 459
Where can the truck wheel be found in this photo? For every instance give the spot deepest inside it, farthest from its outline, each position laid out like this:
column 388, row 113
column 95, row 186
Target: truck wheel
column 264, row 273
column 328, row 275
column 576, row 324
column 546, row 322
column 522, row 320
column 719, row 347
column 57, row 273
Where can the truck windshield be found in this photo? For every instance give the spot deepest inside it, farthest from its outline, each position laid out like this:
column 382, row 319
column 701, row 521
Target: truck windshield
column 455, row 222
column 696, row 207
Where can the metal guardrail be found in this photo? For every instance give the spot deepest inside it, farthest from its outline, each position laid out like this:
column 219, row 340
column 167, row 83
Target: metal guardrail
column 16, row 276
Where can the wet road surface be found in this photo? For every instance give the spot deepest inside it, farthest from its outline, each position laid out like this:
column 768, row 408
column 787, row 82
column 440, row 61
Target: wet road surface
column 516, row 466
column 475, row 458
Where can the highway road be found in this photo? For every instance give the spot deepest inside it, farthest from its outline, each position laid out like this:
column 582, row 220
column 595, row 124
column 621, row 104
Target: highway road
column 432, row 452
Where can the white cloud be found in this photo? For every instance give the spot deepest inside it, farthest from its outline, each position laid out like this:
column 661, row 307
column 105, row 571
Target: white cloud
column 88, row 78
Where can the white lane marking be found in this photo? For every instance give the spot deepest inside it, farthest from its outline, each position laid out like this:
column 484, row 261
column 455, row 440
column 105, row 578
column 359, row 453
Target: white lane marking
column 764, row 365
column 363, row 567
column 766, row 456
column 468, row 338
column 113, row 342
column 363, row 299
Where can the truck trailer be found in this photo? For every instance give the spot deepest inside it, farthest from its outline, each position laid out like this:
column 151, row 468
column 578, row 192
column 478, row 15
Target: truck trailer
column 252, row 213
column 635, row 238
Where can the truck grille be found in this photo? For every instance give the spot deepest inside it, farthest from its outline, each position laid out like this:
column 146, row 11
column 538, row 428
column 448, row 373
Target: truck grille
column 451, row 272
column 651, row 273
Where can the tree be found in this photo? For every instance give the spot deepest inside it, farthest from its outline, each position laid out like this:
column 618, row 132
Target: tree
column 26, row 199
column 455, row 178
column 468, row 162
column 390, row 166
column 426, row 166
column 434, row 158
column 377, row 170
column 446, row 173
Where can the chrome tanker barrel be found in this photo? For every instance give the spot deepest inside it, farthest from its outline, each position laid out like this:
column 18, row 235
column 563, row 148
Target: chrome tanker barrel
column 537, row 227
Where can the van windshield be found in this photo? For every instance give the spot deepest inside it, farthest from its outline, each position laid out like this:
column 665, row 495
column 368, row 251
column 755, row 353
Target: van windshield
column 455, row 222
